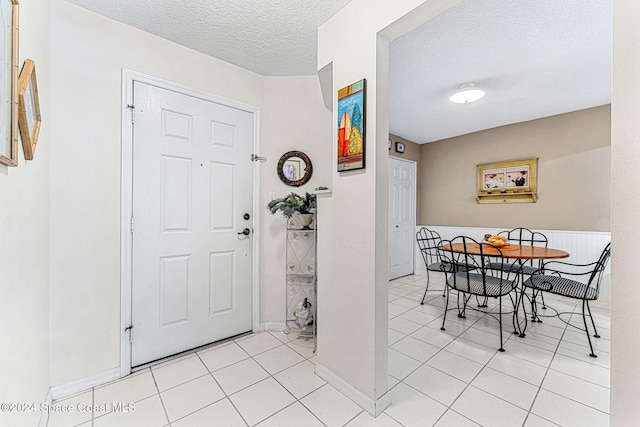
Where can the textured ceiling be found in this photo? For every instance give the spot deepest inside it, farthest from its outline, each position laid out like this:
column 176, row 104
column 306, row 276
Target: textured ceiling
column 269, row 37
column 534, row 58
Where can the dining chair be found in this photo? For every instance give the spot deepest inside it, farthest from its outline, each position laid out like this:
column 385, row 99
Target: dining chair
column 428, row 243
column 524, row 236
column 473, row 276
column 554, row 277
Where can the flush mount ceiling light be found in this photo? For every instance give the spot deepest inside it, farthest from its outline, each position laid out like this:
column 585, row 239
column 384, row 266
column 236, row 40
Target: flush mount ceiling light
column 466, row 94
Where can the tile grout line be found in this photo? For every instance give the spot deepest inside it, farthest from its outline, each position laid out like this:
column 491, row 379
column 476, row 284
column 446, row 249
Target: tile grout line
column 164, row 408
column 535, row 398
column 468, row 384
column 296, row 400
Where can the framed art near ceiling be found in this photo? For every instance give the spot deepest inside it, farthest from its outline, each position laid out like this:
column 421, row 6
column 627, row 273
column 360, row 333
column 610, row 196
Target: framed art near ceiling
column 28, row 108
column 351, row 126
column 511, row 181
column 9, row 15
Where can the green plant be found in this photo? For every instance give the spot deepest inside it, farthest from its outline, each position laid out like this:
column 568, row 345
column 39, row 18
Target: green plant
column 293, row 203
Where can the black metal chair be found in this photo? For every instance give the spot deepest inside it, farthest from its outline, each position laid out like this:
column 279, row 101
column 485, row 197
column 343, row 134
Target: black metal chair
column 429, row 242
column 524, row 236
column 473, row 276
column 552, row 278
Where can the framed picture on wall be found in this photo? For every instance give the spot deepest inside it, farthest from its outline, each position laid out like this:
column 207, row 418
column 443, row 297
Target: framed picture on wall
column 511, row 181
column 351, row 126
column 9, row 14
column 28, row 108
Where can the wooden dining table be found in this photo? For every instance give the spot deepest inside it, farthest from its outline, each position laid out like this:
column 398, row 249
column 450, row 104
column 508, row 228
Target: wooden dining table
column 520, row 253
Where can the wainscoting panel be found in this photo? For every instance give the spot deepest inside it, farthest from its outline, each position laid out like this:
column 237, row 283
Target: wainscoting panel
column 583, row 246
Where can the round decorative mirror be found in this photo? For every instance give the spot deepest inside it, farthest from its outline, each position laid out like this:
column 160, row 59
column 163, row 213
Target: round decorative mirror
column 294, row 168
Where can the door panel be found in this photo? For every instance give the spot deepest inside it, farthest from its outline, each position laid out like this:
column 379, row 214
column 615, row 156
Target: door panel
column 192, row 182
column 395, row 237
column 402, row 181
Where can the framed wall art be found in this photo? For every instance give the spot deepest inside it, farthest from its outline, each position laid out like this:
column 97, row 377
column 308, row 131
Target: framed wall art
column 351, row 126
column 511, row 181
column 28, row 108
column 9, row 15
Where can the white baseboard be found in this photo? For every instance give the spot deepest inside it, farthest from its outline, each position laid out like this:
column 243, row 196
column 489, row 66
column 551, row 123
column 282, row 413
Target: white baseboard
column 373, row 407
column 44, row 418
column 273, row 326
column 74, row 387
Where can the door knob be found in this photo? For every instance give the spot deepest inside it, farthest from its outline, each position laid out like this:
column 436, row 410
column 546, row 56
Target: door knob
column 245, row 232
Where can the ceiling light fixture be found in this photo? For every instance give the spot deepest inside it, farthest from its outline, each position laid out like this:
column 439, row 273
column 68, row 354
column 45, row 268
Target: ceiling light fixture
column 466, row 94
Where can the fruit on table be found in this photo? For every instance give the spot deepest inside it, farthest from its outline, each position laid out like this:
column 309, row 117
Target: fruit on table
column 497, row 240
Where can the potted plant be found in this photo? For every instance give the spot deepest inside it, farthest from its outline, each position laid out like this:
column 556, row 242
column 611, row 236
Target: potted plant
column 294, row 203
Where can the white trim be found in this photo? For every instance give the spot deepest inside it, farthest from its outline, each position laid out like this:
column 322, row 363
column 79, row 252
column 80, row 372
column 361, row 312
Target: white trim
column 44, row 418
column 74, row 387
column 128, row 77
column 273, row 326
column 257, row 218
column 373, row 407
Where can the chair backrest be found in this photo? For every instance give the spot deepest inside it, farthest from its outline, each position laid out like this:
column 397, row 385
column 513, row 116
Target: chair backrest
column 472, row 259
column 600, row 266
column 524, row 236
column 428, row 242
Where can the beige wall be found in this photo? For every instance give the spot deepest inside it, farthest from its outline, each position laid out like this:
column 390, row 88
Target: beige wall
column 574, row 174
column 411, row 149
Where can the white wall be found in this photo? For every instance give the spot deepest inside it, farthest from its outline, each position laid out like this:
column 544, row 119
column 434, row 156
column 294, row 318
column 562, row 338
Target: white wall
column 293, row 118
column 353, row 244
column 625, row 207
column 24, row 245
column 88, row 54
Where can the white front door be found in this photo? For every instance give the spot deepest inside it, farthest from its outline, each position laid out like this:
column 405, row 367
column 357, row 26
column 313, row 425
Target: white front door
column 402, row 195
column 192, row 195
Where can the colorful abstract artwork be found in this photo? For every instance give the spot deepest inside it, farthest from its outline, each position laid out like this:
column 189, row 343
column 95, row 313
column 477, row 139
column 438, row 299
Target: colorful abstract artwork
column 351, row 126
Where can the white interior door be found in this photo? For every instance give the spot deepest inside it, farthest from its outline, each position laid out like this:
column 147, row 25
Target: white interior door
column 192, row 193
column 402, row 196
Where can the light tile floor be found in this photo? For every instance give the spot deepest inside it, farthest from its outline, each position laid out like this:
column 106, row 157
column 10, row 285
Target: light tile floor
column 451, row 378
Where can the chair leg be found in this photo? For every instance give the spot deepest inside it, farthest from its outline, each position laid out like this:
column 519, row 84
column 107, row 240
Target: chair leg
column 500, row 323
column 426, row 289
column 534, row 306
column 514, row 318
column 463, row 313
column 595, row 330
column 446, row 307
column 544, row 306
column 523, row 295
column 586, row 329
column 484, row 303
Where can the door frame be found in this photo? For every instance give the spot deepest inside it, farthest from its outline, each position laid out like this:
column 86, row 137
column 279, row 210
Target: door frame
column 126, row 241
column 414, row 192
